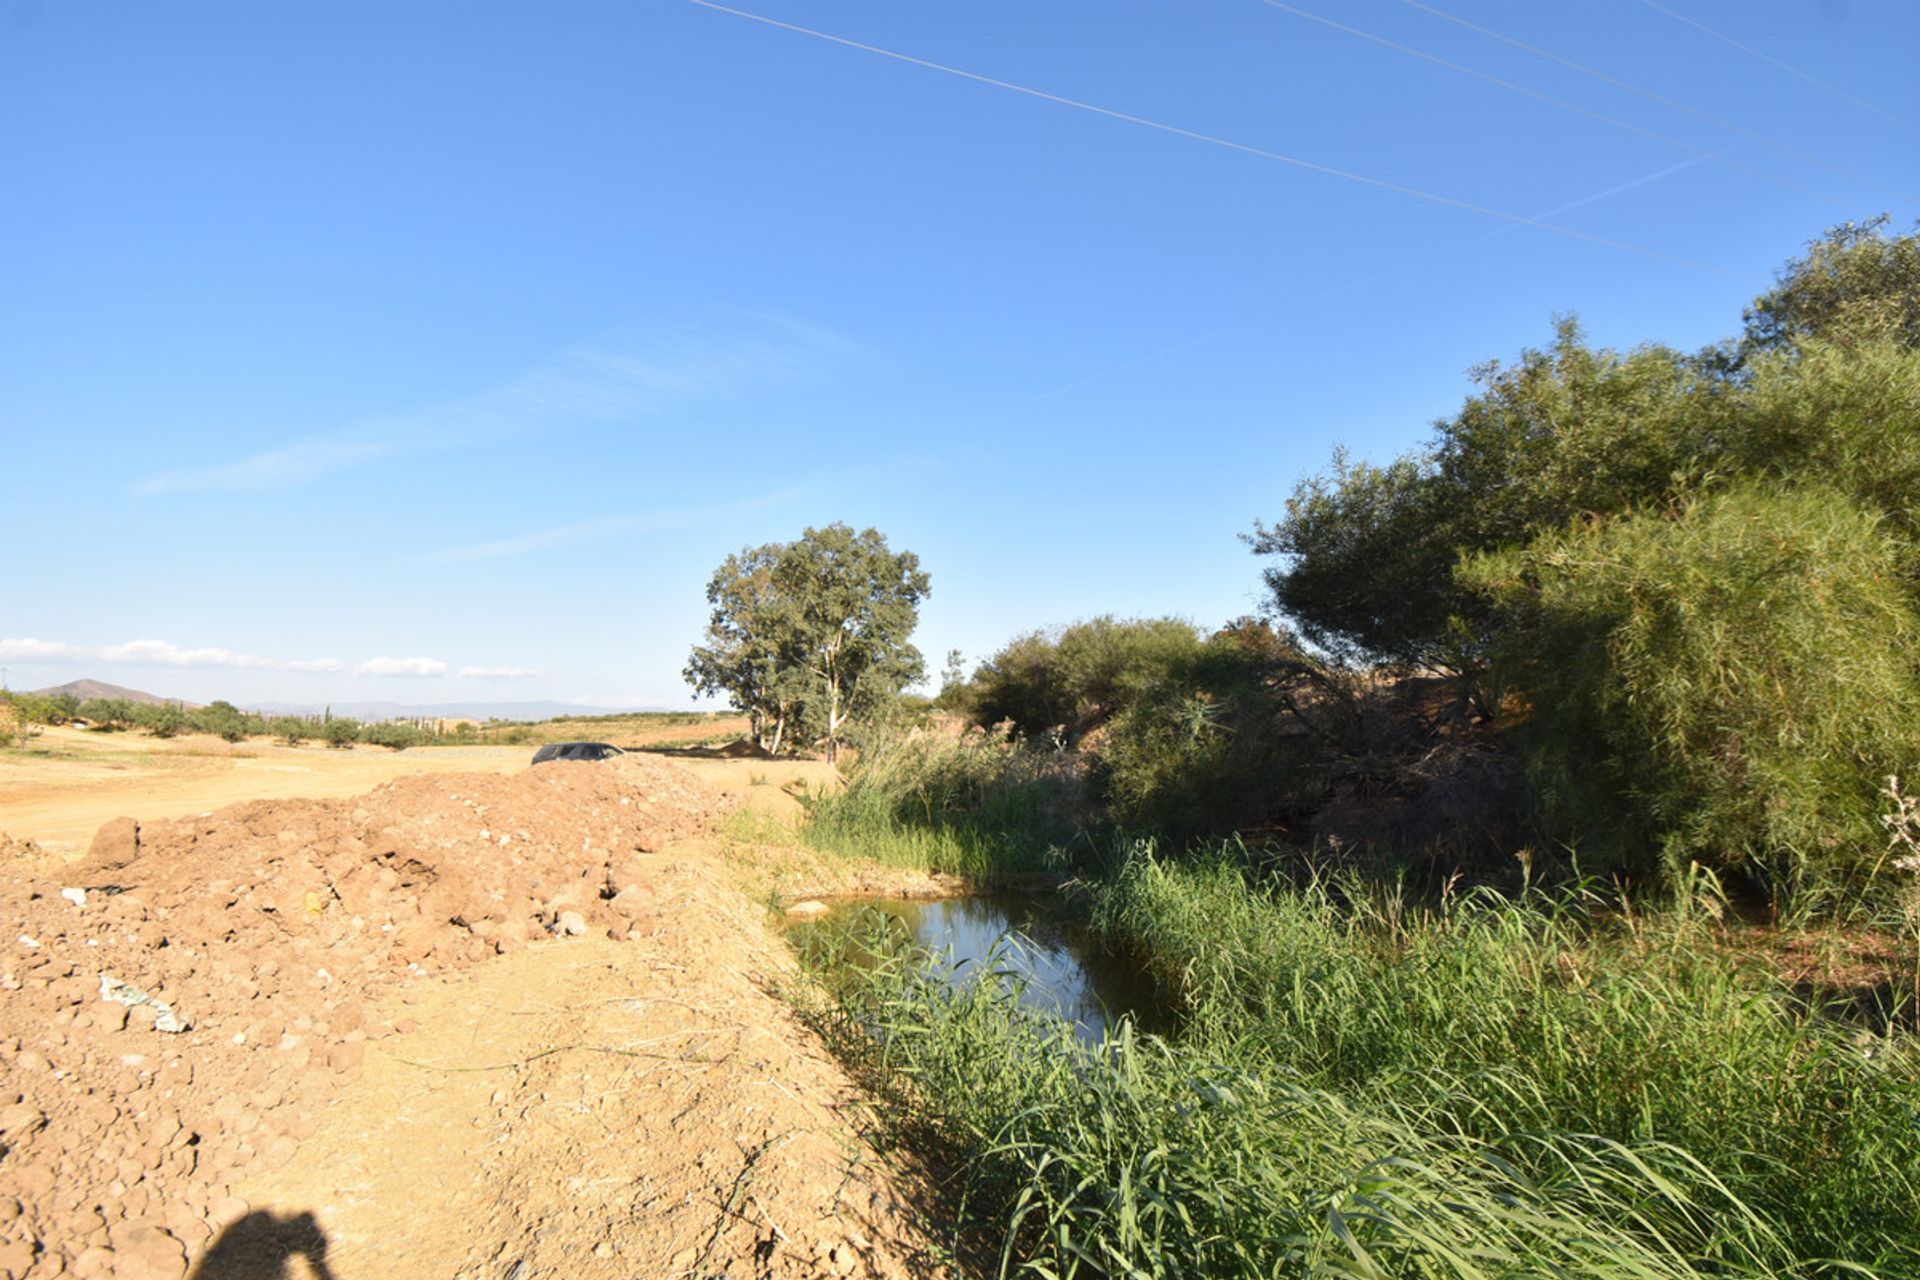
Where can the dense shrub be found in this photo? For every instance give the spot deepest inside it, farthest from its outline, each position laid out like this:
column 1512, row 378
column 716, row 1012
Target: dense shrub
column 340, row 731
column 1741, row 675
column 161, row 719
column 292, row 730
column 1207, row 747
column 1856, row 286
column 227, row 721
column 107, row 713
column 40, row 709
column 1068, row 682
column 395, row 735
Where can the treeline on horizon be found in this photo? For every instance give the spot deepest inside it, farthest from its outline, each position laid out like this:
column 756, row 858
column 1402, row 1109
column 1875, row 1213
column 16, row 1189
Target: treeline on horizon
column 1625, row 613
column 226, row 721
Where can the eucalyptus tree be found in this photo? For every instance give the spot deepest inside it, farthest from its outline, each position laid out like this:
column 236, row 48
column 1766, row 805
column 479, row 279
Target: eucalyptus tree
column 810, row 635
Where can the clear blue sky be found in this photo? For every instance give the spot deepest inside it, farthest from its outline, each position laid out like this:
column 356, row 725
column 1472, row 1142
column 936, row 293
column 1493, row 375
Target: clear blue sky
column 435, row 351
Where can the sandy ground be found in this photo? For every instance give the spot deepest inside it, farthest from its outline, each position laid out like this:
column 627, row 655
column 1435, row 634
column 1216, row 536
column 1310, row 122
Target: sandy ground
column 599, row 1109
column 67, row 782
column 59, row 790
column 403, row 1060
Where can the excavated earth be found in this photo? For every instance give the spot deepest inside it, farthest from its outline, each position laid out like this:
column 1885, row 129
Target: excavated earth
column 464, row 1025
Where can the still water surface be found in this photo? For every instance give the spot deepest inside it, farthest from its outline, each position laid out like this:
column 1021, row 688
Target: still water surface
column 1063, row 970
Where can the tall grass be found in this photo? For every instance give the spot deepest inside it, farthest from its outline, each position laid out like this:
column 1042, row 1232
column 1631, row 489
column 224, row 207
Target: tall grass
column 1363, row 1088
column 1209, row 1158
column 974, row 806
column 1491, row 1015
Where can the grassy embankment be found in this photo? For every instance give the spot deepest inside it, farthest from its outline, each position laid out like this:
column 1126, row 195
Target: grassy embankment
column 1366, row 1086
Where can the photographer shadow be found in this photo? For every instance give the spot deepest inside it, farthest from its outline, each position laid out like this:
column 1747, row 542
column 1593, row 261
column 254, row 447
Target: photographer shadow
column 262, row 1246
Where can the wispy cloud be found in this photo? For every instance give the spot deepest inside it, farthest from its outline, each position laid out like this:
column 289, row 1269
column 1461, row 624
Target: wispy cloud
column 160, row 653
column 154, row 653
column 610, row 527
column 624, row 377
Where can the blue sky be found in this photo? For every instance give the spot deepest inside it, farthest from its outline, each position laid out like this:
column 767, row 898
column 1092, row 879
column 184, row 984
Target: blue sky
column 436, row 352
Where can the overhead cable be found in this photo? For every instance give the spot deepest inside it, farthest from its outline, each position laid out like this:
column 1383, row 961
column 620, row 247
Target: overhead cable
column 1215, row 140
column 1770, row 60
column 1632, row 88
column 1548, row 98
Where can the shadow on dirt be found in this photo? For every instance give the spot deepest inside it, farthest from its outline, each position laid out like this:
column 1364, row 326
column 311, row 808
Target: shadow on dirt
column 260, row 1246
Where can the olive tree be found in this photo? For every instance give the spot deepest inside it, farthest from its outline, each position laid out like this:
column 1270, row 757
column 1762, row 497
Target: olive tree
column 808, row 635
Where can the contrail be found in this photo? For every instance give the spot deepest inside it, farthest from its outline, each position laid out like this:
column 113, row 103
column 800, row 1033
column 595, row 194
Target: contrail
column 1536, row 94
column 1214, row 140
column 1842, row 94
column 1630, row 87
column 1324, row 294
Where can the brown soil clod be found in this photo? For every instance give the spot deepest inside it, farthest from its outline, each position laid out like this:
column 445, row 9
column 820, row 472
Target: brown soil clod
column 203, row 1063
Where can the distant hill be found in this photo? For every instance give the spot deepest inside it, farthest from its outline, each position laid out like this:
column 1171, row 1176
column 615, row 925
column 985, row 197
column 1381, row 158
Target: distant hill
column 84, row 689
column 447, row 710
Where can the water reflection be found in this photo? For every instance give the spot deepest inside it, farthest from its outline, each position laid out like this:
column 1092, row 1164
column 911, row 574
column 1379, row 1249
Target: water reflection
column 1062, row 970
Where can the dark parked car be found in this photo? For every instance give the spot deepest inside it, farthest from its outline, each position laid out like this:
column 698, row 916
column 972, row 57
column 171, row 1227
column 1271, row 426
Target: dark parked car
column 576, row 751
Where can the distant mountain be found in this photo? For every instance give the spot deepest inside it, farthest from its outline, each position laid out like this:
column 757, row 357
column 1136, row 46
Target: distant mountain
column 84, row 689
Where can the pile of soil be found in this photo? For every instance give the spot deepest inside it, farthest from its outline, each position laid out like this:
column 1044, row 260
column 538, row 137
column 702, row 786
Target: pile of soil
column 176, row 1006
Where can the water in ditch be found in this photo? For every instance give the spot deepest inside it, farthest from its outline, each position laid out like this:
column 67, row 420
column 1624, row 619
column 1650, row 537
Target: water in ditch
column 1061, row 969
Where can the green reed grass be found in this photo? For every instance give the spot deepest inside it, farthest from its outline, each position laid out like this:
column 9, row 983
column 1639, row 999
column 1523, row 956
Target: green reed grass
column 1209, row 1158
column 1485, row 1016
column 976, row 807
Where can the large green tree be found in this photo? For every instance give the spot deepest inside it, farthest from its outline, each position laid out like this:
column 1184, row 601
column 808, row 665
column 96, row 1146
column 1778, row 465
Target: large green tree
column 1856, row 285
column 810, row 635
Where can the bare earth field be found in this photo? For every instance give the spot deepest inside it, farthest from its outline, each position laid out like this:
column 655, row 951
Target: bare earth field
column 483, row 1021
column 59, row 789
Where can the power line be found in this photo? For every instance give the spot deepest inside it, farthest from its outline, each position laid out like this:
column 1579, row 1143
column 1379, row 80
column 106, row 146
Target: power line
column 1842, row 94
column 1632, row 88
column 1349, row 285
column 1511, row 86
column 1213, row 139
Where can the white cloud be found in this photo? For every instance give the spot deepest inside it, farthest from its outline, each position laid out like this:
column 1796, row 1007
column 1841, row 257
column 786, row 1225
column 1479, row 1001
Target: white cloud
column 160, row 653
column 401, row 667
column 154, row 653
column 618, row 380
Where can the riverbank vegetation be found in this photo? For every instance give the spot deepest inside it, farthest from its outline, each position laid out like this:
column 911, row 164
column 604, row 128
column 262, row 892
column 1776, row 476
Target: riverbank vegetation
column 1533, row 880
column 1365, row 1087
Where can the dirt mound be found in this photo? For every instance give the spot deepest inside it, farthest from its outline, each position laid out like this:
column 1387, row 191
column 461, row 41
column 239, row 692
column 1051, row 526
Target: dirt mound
column 175, row 1006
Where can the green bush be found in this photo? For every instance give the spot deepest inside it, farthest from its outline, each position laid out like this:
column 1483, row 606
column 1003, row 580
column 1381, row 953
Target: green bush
column 1206, row 748
column 292, row 730
column 1069, row 682
column 1729, row 685
column 107, row 714
column 162, row 719
column 38, row 708
column 393, row 734
column 225, row 720
column 340, row 731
